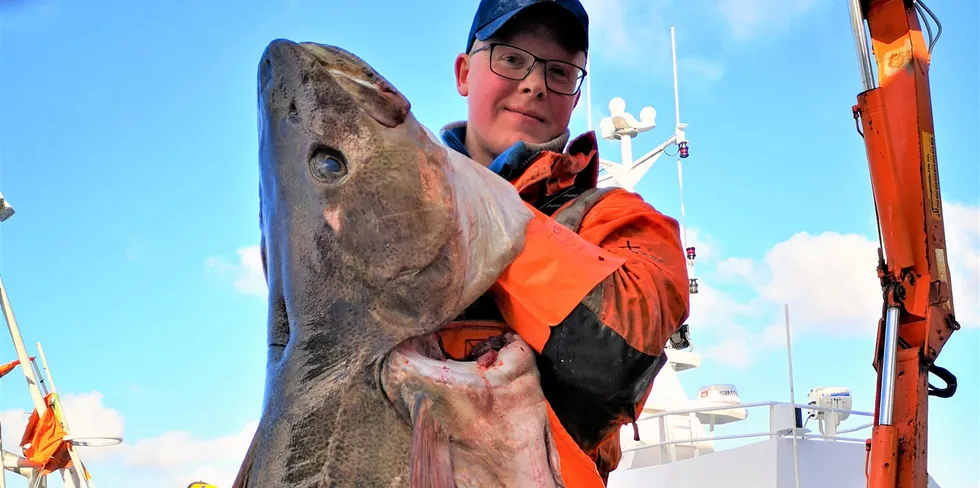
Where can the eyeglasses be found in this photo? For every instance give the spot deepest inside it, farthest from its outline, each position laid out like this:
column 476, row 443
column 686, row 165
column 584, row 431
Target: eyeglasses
column 515, row 63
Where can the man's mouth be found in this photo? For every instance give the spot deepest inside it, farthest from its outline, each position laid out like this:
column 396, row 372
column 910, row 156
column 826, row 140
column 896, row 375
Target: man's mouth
column 527, row 115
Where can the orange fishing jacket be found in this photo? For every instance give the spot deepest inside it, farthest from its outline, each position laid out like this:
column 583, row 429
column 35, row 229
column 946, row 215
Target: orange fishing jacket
column 597, row 291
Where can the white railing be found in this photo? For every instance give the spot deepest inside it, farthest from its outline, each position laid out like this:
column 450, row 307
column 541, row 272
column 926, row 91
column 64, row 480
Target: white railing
column 829, row 420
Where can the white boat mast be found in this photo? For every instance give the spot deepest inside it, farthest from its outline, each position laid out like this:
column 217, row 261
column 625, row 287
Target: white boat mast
column 623, row 127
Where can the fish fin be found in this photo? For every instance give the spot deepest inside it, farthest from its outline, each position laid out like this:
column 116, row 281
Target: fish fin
column 245, row 471
column 554, row 460
column 431, row 464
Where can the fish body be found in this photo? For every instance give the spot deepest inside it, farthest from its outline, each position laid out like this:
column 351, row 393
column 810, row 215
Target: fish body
column 373, row 237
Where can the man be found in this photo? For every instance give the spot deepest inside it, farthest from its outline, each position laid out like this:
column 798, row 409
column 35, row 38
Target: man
column 597, row 304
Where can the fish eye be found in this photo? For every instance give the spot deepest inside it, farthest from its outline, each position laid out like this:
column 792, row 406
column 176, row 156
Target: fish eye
column 328, row 165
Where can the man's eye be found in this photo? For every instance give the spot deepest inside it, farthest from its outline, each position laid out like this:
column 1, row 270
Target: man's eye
column 560, row 73
column 512, row 60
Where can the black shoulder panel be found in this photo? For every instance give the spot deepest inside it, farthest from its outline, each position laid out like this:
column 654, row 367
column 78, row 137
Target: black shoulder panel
column 592, row 377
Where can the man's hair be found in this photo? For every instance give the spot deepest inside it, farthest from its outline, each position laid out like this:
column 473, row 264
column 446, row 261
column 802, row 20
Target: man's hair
column 559, row 23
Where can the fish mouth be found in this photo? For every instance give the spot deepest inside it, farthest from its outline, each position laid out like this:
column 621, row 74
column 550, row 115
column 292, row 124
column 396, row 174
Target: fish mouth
column 421, row 365
column 425, row 356
column 481, row 421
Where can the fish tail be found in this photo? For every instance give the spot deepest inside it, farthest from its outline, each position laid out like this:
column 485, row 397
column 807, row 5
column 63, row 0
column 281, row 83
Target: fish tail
column 554, row 460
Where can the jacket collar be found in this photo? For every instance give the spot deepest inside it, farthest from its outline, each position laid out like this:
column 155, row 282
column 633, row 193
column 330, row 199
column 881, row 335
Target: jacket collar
column 512, row 162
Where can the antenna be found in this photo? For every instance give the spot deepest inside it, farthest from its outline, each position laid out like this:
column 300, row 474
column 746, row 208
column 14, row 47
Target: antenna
column 624, row 127
column 683, row 152
column 792, row 396
column 588, row 90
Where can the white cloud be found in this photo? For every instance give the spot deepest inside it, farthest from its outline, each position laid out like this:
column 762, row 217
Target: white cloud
column 170, row 459
column 706, row 249
column 963, row 246
column 734, row 347
column 716, row 311
column 178, row 458
column 828, row 280
column 246, row 274
column 87, row 417
column 635, row 35
column 754, row 18
column 738, row 268
column 612, row 27
column 698, row 70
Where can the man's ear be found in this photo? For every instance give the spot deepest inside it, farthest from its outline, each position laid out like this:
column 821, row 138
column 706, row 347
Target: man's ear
column 462, row 72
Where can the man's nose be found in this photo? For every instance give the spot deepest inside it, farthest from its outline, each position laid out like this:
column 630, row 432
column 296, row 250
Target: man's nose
column 534, row 82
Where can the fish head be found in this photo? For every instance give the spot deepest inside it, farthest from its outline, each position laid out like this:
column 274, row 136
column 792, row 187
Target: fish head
column 355, row 195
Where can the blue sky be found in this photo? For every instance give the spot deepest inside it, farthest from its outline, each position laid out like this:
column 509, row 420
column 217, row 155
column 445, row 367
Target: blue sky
column 128, row 147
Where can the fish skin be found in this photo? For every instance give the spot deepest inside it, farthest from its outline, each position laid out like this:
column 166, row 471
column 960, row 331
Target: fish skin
column 387, row 237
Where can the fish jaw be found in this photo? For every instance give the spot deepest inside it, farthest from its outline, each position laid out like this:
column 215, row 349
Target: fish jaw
column 490, row 414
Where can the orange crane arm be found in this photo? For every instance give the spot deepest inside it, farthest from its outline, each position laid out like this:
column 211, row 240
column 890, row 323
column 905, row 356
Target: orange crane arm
column 896, row 121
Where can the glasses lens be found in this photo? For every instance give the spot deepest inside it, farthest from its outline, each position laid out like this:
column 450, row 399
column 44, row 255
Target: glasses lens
column 563, row 77
column 511, row 62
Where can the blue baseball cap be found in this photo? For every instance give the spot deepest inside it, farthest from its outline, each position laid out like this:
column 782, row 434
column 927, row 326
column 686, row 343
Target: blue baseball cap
column 491, row 15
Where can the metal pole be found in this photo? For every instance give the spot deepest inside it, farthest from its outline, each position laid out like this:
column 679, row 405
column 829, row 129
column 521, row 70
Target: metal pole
column 3, row 471
column 861, row 42
column 25, row 361
column 40, row 382
column 887, row 398
column 677, row 122
column 626, row 143
column 75, row 459
column 792, row 396
column 44, row 364
column 673, row 50
column 588, row 91
column 680, row 189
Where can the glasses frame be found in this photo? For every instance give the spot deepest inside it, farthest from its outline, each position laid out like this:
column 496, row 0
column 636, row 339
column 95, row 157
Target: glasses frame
column 490, row 47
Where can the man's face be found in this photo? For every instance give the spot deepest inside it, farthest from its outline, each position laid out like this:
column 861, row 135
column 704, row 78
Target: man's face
column 504, row 111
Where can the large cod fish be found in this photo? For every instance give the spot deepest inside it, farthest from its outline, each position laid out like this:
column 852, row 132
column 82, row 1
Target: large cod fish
column 374, row 236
